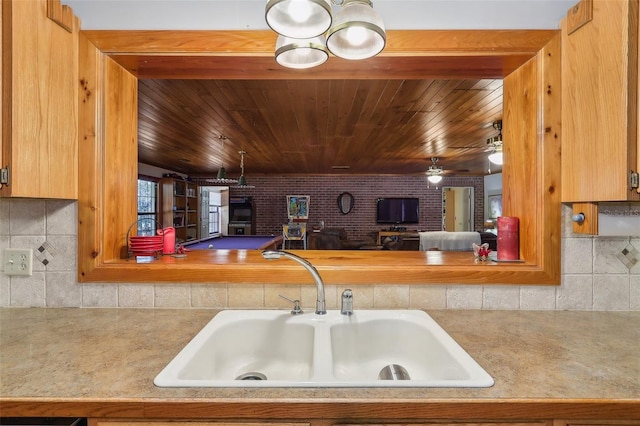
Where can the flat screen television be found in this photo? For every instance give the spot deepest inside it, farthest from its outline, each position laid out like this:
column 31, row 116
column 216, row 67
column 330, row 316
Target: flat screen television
column 397, row 210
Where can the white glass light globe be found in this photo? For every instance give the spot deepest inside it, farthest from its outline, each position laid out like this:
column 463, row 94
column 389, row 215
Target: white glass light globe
column 435, row 178
column 299, row 18
column 301, row 53
column 357, row 31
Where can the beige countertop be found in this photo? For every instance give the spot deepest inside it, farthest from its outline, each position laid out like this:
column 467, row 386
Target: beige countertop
column 101, row 362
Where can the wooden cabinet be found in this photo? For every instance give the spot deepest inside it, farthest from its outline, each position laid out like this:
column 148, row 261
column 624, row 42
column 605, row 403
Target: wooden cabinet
column 97, row 422
column 410, row 240
column 459, row 424
column 267, row 422
column 596, row 423
column 179, row 208
column 600, row 101
column 39, row 155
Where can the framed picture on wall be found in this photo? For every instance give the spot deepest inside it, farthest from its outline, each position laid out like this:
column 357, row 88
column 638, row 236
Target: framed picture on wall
column 298, row 207
column 495, row 206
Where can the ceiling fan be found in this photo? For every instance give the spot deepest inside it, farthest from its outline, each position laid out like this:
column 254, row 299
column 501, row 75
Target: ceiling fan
column 495, row 144
column 439, row 170
column 435, row 172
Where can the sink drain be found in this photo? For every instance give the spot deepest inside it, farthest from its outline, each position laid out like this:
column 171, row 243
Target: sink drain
column 252, row 376
column 393, row 372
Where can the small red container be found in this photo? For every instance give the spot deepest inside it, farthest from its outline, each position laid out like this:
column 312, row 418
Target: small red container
column 508, row 238
column 169, row 235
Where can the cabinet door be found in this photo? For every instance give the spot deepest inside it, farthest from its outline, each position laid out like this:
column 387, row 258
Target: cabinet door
column 600, row 110
column 39, row 100
column 541, row 423
column 597, row 423
column 100, row 422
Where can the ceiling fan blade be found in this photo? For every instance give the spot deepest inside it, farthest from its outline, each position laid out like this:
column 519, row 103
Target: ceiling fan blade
column 456, row 171
column 471, row 148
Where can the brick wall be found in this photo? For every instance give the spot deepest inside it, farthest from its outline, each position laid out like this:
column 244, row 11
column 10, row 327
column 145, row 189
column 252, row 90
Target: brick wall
column 269, row 199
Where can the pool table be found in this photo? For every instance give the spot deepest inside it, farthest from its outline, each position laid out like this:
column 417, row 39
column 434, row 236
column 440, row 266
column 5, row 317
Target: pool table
column 239, row 242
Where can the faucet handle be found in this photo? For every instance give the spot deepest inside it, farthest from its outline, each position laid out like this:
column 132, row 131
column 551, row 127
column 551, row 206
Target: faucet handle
column 296, row 305
column 346, row 307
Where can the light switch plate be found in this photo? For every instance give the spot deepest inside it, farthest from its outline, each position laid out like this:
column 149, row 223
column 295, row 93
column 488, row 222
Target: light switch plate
column 18, row 261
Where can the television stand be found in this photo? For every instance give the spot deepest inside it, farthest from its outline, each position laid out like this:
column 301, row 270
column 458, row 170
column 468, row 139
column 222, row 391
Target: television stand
column 406, row 235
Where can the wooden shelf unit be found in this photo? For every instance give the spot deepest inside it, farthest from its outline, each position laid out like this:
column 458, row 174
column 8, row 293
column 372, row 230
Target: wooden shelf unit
column 179, row 208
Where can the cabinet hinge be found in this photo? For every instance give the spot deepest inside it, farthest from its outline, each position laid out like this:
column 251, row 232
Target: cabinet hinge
column 4, row 176
column 634, row 180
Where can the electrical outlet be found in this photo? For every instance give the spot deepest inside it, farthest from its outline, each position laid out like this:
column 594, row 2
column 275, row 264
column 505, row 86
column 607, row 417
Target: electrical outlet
column 18, row 261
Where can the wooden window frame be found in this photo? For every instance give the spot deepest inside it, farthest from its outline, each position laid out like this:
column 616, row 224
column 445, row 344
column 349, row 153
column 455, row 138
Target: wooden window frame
column 112, row 61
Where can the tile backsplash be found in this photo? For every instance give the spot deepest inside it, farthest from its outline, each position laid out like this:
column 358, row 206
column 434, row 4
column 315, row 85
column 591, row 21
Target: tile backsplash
column 598, row 273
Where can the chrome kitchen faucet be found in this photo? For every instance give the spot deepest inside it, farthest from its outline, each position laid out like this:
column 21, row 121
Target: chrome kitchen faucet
column 320, row 300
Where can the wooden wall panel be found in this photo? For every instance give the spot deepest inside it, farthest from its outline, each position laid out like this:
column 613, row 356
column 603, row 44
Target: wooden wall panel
column 520, row 175
column 532, row 111
column 548, row 230
column 120, row 167
column 90, row 112
column 108, row 157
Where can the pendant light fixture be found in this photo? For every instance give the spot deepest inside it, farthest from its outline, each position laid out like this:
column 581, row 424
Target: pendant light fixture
column 242, row 181
column 496, row 144
column 357, row 31
column 308, row 31
column 299, row 18
column 221, row 176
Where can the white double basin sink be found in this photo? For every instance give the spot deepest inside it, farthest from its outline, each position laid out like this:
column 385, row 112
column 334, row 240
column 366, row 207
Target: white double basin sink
column 270, row 348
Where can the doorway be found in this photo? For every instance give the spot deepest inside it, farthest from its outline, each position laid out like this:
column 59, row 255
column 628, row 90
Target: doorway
column 457, row 209
column 214, row 210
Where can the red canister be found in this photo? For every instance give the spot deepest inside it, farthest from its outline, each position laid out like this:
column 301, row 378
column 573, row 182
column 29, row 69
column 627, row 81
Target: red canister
column 169, row 243
column 508, row 238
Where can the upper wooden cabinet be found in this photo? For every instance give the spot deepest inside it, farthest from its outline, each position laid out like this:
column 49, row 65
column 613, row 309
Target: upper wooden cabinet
column 39, row 99
column 600, row 101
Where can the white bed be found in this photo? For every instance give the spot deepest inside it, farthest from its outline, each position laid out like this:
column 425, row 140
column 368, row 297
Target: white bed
column 448, row 241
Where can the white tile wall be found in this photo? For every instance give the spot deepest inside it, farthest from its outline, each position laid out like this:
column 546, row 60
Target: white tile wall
column 593, row 277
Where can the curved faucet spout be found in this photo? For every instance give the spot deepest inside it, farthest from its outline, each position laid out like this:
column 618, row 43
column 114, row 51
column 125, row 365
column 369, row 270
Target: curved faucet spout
column 320, row 299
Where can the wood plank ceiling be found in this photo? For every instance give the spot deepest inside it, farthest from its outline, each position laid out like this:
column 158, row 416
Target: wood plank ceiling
column 318, row 126
column 428, row 94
